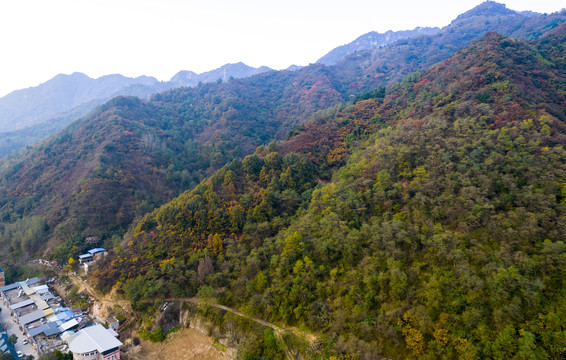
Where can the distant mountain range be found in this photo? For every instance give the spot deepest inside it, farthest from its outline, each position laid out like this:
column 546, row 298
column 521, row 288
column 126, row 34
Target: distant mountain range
column 30, row 115
column 24, row 108
column 373, row 40
column 27, row 107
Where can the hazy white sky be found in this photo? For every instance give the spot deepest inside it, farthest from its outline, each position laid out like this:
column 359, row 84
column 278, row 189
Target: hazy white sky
column 42, row 38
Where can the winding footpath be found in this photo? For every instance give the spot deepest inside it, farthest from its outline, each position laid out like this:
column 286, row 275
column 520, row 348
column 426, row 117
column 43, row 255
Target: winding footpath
column 279, row 331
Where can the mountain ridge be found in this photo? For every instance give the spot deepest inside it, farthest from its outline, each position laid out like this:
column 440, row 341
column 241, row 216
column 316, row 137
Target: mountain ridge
column 372, row 40
column 77, row 88
column 388, row 65
column 379, row 67
column 73, row 90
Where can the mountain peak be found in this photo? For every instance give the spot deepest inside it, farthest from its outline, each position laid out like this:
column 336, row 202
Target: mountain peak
column 488, row 8
column 183, row 76
column 78, row 74
column 225, row 72
column 293, row 67
column 73, row 76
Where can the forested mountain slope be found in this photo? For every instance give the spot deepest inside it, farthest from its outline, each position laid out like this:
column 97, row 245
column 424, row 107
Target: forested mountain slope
column 439, row 235
column 96, row 176
column 130, row 155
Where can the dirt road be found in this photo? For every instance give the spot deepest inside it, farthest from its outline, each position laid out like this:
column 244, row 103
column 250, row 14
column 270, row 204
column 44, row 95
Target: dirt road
column 279, row 332
column 105, row 301
column 103, row 305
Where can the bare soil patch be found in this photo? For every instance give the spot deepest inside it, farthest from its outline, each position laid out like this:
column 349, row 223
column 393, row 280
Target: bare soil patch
column 186, row 344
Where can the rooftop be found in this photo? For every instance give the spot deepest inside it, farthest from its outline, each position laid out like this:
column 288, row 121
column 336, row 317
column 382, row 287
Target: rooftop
column 96, row 250
column 51, row 328
column 20, row 284
column 92, row 338
column 6, row 347
column 31, row 317
column 41, row 289
column 23, row 311
column 22, row 304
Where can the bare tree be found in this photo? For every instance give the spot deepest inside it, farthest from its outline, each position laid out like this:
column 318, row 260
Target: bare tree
column 205, row 267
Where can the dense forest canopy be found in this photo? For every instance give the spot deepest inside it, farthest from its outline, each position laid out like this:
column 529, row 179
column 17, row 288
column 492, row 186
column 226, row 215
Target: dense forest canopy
column 425, row 221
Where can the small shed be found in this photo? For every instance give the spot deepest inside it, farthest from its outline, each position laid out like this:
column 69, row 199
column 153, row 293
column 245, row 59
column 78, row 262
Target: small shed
column 113, row 323
column 85, row 258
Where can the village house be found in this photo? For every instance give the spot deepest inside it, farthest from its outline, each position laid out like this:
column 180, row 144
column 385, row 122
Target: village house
column 92, row 255
column 113, row 323
column 85, row 259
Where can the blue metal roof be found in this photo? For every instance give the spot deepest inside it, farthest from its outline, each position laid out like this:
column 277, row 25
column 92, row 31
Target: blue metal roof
column 51, row 328
column 85, row 256
column 5, row 346
column 96, row 250
column 22, row 304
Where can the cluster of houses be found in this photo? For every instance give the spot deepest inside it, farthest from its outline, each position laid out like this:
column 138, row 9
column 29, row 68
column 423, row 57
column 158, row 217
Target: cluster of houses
column 50, row 326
